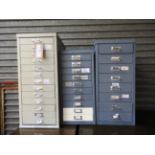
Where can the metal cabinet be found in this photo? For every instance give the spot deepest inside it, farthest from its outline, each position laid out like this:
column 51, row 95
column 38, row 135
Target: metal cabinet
column 115, row 82
column 38, row 80
column 77, row 86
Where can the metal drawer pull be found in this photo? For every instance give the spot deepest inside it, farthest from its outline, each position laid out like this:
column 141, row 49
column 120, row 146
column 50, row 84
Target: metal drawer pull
column 77, row 91
column 74, row 71
column 39, row 121
column 76, row 57
column 38, row 68
column 115, row 68
column 39, row 114
column 78, row 118
column 76, row 64
column 115, row 78
column 77, row 104
column 116, row 116
column 78, row 97
column 125, row 96
column 39, row 101
column 77, row 84
column 37, row 95
column 115, row 86
column 116, row 48
column 115, row 59
column 116, row 107
column 38, row 108
column 38, row 81
column 80, row 77
column 38, row 88
column 78, row 111
column 115, row 97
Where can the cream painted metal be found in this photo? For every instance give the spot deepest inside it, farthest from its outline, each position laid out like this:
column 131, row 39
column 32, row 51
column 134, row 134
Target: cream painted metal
column 38, row 81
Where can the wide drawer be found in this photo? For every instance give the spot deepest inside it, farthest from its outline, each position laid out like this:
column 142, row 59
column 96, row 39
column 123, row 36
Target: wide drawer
column 38, row 118
column 114, row 117
column 115, row 87
column 114, row 97
column 78, row 117
column 124, row 58
column 76, row 77
column 73, row 104
column 76, row 57
column 115, row 78
column 77, row 71
column 115, row 48
column 115, row 107
column 74, row 64
column 38, row 88
column 78, row 84
column 115, row 68
column 37, row 68
column 77, row 91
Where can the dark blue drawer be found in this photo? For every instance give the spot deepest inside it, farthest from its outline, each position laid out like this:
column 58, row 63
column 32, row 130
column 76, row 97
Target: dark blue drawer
column 115, row 48
column 76, row 64
column 115, row 77
column 77, row 77
column 119, row 58
column 77, row 71
column 115, row 87
column 76, row 57
column 114, row 118
column 77, row 97
column 78, row 103
column 115, row 107
column 77, row 91
column 116, row 68
column 114, row 97
column 73, row 84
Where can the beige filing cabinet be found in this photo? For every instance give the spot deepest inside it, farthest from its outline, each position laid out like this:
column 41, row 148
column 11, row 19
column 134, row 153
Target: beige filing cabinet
column 38, row 80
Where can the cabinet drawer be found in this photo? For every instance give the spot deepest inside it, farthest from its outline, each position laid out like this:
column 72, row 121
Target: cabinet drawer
column 78, row 84
column 38, row 88
column 124, row 58
column 38, row 118
column 76, row 77
column 114, row 117
column 115, row 97
column 76, row 64
column 115, row 48
column 78, row 117
column 77, row 71
column 115, row 87
column 115, row 78
column 77, row 91
column 116, row 68
column 76, row 57
column 115, row 107
column 81, row 104
column 37, row 68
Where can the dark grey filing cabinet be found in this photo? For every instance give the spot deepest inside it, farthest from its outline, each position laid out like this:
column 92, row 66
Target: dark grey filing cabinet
column 77, row 75
column 115, row 82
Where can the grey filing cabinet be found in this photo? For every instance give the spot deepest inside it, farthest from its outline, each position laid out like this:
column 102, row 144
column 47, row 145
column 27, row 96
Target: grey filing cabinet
column 77, row 73
column 115, row 82
column 38, row 80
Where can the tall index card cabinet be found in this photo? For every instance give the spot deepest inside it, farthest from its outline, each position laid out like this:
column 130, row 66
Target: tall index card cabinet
column 38, row 80
column 115, row 82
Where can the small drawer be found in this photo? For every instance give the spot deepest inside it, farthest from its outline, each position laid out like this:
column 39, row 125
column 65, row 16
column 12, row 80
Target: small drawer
column 115, row 107
column 115, row 87
column 76, row 57
column 72, row 84
column 124, row 58
column 38, row 118
column 77, row 91
column 37, row 68
column 115, row 48
column 76, row 64
column 81, row 104
column 77, row 71
column 38, row 88
column 114, row 118
column 77, row 77
column 115, row 97
column 115, row 78
column 116, row 68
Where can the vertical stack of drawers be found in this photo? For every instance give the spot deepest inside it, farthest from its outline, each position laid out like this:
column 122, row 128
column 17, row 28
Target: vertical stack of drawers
column 78, row 87
column 115, row 82
column 38, row 81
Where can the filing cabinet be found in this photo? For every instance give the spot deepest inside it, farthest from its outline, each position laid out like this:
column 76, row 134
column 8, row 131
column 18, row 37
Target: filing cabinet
column 38, row 80
column 115, row 82
column 77, row 79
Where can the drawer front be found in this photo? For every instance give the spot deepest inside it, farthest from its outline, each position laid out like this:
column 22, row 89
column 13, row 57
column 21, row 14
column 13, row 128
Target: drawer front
column 72, row 111
column 115, row 78
column 78, row 117
column 116, row 68
column 115, row 48
column 77, row 71
column 114, row 97
column 76, row 64
column 114, row 118
column 124, row 58
column 115, row 107
column 77, row 77
column 77, row 91
column 76, row 57
column 115, row 87
column 38, row 88
column 38, row 118
column 72, row 84
column 37, row 68
column 81, row 104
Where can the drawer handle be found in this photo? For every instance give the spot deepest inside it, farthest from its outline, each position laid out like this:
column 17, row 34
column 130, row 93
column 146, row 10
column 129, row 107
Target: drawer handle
column 77, row 104
column 76, row 57
column 116, row 48
column 77, row 97
column 78, row 111
column 39, row 114
column 115, row 97
column 116, row 116
column 115, row 68
column 78, row 118
column 40, row 121
column 77, row 91
column 115, row 59
column 75, row 71
column 115, row 78
column 116, row 107
column 76, row 64
column 38, row 109
column 115, row 86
